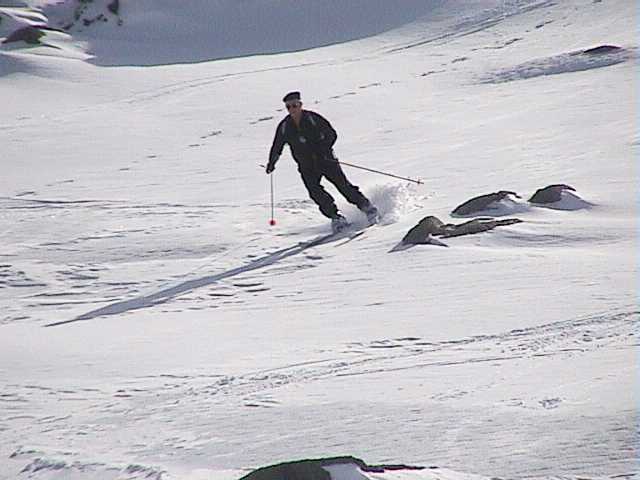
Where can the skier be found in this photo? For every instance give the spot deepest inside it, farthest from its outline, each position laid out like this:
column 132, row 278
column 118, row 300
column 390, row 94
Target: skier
column 311, row 137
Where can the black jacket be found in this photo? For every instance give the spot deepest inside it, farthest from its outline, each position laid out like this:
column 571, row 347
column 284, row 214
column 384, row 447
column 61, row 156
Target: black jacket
column 311, row 141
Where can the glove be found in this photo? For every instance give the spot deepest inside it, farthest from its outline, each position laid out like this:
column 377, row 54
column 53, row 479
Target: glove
column 270, row 168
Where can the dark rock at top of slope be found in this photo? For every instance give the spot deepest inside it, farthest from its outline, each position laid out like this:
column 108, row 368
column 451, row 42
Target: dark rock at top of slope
column 114, row 7
column 550, row 193
column 28, row 34
column 602, row 50
column 431, row 226
column 482, row 203
column 84, row 14
column 313, row 469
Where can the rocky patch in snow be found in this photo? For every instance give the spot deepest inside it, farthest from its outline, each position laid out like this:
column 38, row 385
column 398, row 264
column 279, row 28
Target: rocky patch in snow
column 558, row 196
column 28, row 34
column 75, row 15
column 487, row 204
column 22, row 25
column 25, row 27
column 335, row 468
column 14, row 18
column 575, row 61
column 430, row 227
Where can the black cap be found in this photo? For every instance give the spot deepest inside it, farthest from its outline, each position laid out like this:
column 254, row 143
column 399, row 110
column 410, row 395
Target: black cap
column 291, row 96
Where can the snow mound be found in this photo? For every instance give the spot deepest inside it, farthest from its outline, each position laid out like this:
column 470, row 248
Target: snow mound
column 576, row 61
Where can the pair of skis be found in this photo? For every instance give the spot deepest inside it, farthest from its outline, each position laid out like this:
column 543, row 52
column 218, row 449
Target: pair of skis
column 345, row 235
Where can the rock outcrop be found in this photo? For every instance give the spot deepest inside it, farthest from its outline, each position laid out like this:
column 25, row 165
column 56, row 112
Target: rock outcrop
column 482, row 203
column 313, row 469
column 28, row 34
column 429, row 227
column 602, row 50
column 550, row 194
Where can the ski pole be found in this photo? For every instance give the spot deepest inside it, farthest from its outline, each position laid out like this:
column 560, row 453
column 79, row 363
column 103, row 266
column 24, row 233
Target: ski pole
column 419, row 182
column 272, row 221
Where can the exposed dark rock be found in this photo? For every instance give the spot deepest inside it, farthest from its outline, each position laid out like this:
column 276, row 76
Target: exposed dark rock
column 28, row 34
column 312, row 469
column 476, row 225
column 602, row 50
column 81, row 18
column 482, row 203
column 114, row 7
column 422, row 232
column 550, row 194
column 430, row 227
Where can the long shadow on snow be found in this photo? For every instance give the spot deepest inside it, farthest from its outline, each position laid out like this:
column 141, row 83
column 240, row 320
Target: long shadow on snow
column 168, row 293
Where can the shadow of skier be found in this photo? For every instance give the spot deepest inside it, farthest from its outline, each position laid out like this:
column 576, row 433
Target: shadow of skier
column 167, row 294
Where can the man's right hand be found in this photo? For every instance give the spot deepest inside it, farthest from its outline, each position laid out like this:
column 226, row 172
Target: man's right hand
column 270, row 168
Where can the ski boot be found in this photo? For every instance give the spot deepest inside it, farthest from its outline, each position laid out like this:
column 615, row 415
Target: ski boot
column 373, row 216
column 339, row 223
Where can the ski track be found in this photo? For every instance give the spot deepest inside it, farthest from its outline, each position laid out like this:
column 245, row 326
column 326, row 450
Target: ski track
column 92, row 269
column 86, row 269
column 477, row 23
column 172, row 292
column 77, row 414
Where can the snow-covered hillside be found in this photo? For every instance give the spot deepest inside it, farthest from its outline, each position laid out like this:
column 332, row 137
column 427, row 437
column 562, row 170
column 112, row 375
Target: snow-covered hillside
column 155, row 326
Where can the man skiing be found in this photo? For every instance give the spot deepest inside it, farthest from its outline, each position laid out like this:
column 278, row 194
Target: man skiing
column 311, row 137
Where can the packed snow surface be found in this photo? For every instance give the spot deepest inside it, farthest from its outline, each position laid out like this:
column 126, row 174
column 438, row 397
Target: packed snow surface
column 153, row 325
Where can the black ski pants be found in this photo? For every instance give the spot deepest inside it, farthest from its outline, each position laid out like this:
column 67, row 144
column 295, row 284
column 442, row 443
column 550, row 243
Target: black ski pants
column 329, row 168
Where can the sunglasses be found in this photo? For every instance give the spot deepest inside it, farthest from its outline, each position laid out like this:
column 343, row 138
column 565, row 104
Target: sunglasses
column 292, row 105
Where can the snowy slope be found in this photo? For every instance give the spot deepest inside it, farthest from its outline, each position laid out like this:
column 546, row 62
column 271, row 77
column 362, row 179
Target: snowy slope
column 152, row 32
column 136, row 191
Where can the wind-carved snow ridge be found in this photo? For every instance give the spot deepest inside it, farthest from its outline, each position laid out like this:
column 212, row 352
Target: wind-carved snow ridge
column 598, row 57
